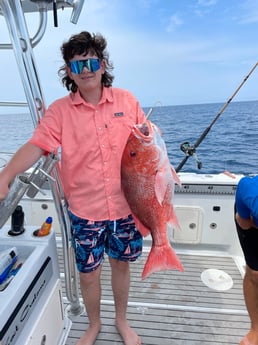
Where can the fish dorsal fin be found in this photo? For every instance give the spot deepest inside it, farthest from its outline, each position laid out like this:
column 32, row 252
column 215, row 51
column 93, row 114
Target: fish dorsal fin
column 143, row 230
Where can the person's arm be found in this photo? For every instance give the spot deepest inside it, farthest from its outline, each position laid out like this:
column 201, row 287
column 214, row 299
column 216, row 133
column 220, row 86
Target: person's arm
column 246, row 203
column 245, row 224
column 22, row 160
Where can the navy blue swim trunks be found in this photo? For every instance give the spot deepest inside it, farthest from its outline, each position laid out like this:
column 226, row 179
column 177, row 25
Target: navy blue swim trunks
column 119, row 239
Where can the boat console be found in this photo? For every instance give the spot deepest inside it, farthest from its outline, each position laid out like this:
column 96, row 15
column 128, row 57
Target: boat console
column 34, row 314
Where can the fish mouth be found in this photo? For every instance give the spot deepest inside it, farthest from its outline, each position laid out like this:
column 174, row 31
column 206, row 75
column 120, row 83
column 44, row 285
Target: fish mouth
column 144, row 131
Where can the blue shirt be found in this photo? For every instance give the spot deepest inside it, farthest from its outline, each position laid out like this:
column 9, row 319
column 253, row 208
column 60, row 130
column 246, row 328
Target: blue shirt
column 247, row 198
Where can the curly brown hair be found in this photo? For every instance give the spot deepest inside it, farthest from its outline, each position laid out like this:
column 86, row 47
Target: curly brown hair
column 84, row 43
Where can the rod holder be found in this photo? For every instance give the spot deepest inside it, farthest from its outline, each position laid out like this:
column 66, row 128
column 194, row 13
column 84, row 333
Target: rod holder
column 42, row 175
column 17, row 189
column 26, row 183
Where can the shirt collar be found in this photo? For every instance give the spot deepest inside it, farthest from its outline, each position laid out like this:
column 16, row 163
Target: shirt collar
column 107, row 96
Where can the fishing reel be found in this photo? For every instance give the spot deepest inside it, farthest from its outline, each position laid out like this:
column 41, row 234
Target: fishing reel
column 190, row 150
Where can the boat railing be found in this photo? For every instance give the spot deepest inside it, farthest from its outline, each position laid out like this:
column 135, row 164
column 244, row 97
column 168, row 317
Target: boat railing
column 22, row 46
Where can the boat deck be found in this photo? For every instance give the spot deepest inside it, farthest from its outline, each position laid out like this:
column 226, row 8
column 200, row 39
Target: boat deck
column 175, row 308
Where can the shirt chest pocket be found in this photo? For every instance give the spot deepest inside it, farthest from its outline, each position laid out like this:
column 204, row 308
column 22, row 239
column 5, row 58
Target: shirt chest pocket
column 119, row 129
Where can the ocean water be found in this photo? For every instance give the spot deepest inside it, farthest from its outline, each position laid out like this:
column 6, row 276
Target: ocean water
column 231, row 143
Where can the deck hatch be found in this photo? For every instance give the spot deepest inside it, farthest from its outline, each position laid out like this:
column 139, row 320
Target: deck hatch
column 190, row 221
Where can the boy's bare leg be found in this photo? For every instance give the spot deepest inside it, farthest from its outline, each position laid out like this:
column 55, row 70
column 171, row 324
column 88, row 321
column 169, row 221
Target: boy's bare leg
column 91, row 293
column 120, row 286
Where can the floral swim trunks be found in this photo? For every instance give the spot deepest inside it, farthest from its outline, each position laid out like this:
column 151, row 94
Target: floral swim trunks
column 119, row 239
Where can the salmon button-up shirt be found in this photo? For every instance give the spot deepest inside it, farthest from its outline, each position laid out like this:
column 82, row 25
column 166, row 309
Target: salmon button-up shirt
column 92, row 140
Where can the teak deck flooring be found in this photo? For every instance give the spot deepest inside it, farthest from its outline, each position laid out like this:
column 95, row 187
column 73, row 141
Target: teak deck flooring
column 174, row 308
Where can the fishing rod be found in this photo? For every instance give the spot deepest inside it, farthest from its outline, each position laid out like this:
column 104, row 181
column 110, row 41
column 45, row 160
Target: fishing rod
column 190, row 150
column 151, row 109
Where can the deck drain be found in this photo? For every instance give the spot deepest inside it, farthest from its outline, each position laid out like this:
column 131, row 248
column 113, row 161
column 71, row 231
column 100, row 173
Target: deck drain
column 217, row 279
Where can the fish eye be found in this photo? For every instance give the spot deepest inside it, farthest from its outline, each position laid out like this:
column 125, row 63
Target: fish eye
column 132, row 154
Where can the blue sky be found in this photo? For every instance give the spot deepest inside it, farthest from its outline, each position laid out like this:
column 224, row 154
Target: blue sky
column 167, row 51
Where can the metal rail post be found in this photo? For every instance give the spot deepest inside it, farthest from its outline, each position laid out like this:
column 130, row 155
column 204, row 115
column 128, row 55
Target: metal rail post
column 16, row 23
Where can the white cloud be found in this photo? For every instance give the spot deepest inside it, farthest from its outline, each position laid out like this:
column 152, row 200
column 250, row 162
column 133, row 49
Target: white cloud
column 174, row 22
column 206, row 3
column 249, row 12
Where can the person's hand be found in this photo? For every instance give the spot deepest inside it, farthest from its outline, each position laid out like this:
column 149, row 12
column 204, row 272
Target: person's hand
column 4, row 188
column 3, row 191
column 245, row 224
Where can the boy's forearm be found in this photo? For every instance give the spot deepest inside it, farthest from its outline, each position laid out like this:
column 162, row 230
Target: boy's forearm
column 22, row 160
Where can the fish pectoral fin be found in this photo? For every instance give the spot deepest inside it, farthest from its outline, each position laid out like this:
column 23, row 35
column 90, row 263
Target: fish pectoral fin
column 143, row 229
column 175, row 176
column 160, row 186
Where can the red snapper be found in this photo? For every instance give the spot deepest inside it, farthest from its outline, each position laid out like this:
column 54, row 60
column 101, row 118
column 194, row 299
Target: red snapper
column 148, row 181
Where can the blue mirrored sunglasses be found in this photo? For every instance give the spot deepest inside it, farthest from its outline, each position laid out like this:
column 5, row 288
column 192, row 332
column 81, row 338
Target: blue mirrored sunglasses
column 91, row 64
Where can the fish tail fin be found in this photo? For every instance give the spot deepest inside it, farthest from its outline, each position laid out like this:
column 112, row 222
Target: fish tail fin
column 161, row 259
